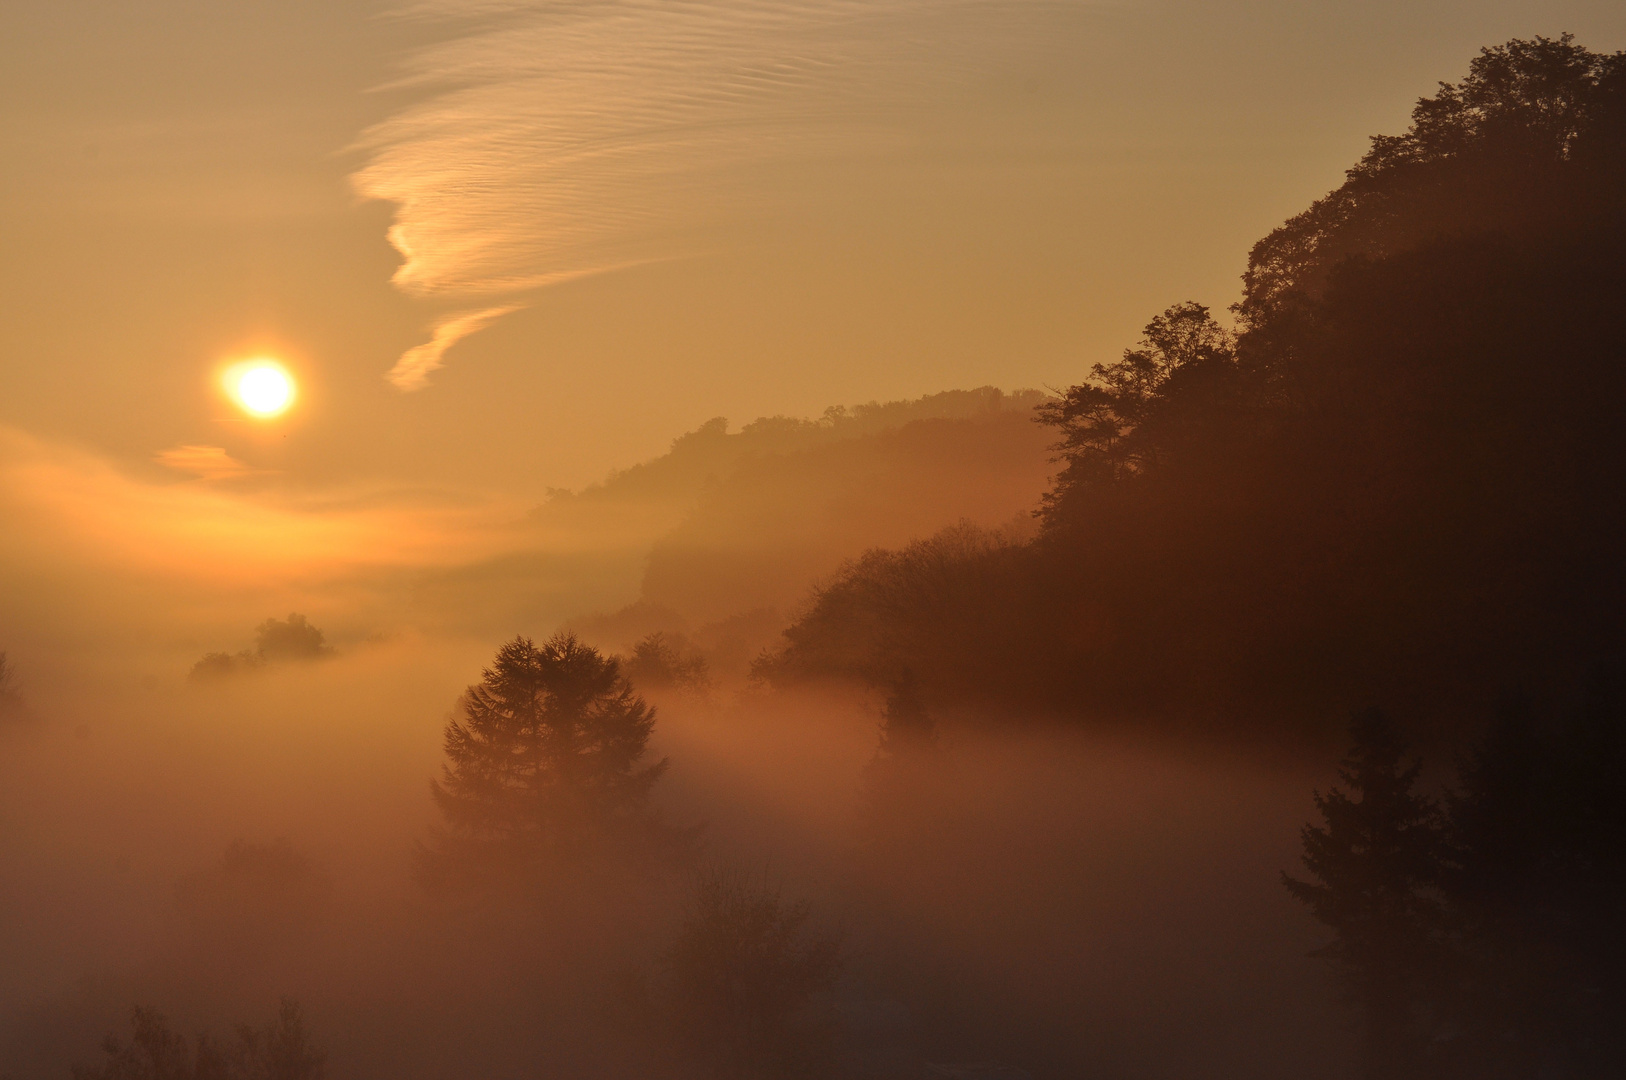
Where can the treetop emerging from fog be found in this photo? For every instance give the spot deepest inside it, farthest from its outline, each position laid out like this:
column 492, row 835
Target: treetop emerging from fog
column 544, row 753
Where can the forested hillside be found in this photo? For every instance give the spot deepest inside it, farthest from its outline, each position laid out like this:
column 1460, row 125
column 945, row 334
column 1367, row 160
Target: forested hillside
column 1398, row 477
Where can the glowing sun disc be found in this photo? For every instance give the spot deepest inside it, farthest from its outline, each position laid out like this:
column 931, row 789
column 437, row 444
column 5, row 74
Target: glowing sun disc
column 261, row 387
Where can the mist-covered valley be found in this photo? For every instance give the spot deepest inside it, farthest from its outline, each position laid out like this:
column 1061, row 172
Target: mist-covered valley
column 1252, row 707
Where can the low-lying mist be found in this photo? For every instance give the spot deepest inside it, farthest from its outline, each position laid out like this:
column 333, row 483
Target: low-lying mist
column 208, row 846
column 1064, row 903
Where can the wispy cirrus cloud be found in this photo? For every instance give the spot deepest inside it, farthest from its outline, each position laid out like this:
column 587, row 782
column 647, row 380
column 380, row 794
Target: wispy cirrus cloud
column 412, row 370
column 560, row 139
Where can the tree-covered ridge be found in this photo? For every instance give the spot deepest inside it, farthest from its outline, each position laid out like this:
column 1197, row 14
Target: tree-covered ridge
column 1127, row 418
column 1526, row 140
column 1401, row 478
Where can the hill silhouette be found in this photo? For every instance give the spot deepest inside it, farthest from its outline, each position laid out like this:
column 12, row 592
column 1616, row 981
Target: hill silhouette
column 1400, row 478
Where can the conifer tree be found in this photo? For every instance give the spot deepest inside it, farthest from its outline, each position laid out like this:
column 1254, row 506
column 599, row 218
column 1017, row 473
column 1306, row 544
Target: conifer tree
column 1376, row 866
column 545, row 754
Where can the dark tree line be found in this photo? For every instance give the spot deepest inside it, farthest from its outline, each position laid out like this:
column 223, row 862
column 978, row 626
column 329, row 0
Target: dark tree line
column 1401, row 476
column 1479, row 935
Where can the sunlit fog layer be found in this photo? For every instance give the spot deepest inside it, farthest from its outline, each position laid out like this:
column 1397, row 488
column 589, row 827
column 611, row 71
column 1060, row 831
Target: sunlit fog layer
column 1246, row 701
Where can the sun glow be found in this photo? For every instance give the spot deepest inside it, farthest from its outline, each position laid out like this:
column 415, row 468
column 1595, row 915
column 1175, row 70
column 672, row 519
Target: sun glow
column 261, row 387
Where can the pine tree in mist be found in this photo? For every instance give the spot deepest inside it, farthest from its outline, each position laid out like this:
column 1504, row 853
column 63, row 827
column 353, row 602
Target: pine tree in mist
column 280, row 1050
column 1487, row 944
column 544, row 757
column 1376, row 867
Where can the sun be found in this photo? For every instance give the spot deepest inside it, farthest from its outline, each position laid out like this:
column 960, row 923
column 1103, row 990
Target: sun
column 261, row 387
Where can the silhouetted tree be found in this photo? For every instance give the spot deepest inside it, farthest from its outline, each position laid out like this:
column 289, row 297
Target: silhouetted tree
column 1112, row 425
column 1487, row 945
column 1376, row 867
column 544, row 755
column 280, row 1050
column 154, row 1052
column 293, row 638
column 742, row 992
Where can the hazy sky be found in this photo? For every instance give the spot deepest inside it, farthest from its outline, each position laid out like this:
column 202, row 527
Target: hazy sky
column 626, row 216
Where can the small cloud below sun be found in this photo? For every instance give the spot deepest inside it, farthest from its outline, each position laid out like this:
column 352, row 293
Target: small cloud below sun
column 206, row 462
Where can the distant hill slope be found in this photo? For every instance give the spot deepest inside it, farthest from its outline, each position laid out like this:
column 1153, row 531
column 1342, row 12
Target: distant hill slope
column 723, row 535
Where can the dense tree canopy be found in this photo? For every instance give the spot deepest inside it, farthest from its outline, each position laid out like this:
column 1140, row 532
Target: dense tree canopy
column 1127, row 419
column 1526, row 141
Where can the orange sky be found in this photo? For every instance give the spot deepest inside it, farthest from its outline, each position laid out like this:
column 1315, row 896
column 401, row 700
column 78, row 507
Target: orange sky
column 643, row 214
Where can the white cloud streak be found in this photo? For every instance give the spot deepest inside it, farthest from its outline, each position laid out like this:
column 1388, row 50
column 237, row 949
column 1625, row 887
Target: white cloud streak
column 411, row 372
column 565, row 138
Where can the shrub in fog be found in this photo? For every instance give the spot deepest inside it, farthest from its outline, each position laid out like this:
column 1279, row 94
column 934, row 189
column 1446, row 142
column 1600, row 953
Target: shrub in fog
column 280, row 1050
column 663, row 660
column 744, row 989
column 11, row 700
column 275, row 641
